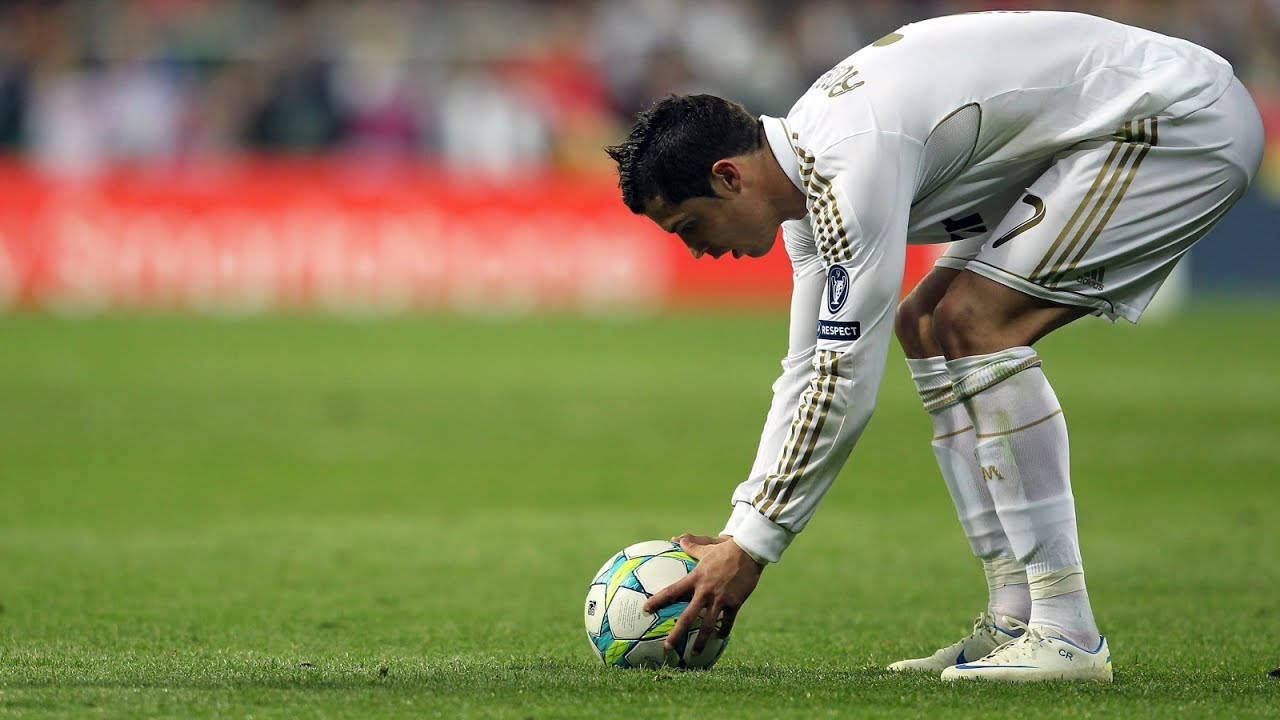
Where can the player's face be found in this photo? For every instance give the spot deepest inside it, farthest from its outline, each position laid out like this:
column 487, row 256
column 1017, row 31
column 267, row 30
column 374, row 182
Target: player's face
column 728, row 223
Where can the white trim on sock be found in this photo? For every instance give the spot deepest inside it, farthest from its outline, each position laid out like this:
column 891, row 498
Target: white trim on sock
column 933, row 382
column 975, row 373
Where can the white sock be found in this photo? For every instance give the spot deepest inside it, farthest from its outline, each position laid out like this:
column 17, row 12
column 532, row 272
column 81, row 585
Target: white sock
column 1023, row 455
column 953, row 443
column 1059, row 601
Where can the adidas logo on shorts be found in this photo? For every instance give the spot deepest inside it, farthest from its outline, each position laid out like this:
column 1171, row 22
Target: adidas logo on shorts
column 1093, row 278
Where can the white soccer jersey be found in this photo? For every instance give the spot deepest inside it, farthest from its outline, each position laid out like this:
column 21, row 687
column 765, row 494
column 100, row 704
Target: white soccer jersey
column 911, row 139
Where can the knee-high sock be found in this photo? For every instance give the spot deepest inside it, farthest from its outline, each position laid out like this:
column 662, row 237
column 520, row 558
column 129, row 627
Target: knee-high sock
column 953, row 442
column 1023, row 456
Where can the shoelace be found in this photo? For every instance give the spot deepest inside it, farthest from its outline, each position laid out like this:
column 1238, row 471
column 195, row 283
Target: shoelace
column 1029, row 635
column 984, row 623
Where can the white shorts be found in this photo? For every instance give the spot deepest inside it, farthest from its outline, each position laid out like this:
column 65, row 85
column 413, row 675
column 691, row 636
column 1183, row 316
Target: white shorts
column 1107, row 222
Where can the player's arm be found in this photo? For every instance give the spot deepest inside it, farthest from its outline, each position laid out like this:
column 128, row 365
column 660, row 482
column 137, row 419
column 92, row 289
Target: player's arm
column 809, row 279
column 716, row 557
column 859, row 209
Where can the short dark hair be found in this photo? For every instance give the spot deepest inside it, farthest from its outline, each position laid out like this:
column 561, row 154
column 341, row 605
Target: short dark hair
column 674, row 143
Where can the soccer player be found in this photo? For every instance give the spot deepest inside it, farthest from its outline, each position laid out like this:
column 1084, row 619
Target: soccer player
column 1070, row 160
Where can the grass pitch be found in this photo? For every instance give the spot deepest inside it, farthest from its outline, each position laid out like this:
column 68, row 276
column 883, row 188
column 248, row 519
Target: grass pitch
column 310, row 517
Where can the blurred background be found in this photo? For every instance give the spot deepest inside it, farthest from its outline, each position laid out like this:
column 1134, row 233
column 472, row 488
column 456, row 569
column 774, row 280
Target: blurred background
column 248, row 155
column 392, row 498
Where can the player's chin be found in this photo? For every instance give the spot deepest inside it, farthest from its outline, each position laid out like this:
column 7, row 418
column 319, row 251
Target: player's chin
column 760, row 250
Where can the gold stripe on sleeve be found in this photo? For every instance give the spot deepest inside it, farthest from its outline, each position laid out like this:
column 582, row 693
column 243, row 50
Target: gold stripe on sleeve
column 830, row 237
column 800, row 427
column 829, row 381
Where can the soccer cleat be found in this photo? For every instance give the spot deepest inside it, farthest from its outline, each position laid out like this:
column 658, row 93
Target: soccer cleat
column 1037, row 656
column 986, row 636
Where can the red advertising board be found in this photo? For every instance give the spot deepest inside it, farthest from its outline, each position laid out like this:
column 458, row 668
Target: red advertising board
column 265, row 234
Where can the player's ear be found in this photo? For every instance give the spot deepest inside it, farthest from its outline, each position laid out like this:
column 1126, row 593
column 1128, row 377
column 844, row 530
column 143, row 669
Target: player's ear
column 726, row 177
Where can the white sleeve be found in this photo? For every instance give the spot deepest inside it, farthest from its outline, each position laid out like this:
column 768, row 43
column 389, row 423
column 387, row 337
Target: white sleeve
column 859, row 200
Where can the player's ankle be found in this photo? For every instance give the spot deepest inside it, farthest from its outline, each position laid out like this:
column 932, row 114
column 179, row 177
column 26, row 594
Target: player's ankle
column 1060, row 603
column 1008, row 594
column 1084, row 638
column 1007, row 604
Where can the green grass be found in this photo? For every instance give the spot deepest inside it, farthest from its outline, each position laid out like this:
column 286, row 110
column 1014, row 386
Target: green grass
column 311, row 517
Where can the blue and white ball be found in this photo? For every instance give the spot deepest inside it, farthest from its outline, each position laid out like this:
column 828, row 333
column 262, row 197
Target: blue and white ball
column 622, row 634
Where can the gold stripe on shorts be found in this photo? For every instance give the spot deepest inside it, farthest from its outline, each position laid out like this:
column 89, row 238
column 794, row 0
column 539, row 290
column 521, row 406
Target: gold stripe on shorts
column 1144, row 148
column 1135, row 134
column 1112, row 181
column 1088, row 198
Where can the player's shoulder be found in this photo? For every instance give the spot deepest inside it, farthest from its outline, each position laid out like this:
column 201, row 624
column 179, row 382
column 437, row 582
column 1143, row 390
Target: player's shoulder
column 877, row 93
column 829, row 130
column 831, row 110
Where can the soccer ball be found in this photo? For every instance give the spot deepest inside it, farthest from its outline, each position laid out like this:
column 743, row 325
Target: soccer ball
column 621, row 632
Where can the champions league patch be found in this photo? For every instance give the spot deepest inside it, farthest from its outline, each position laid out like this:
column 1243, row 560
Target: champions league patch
column 832, row 330
column 837, row 288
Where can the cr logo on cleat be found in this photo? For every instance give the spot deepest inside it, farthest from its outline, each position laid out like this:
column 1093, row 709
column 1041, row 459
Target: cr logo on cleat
column 1066, row 654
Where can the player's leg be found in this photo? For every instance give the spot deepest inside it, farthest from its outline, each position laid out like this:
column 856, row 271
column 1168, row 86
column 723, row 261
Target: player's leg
column 986, row 330
column 1110, row 229
column 953, row 446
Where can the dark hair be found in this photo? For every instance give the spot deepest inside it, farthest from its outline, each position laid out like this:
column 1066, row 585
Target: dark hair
column 674, row 143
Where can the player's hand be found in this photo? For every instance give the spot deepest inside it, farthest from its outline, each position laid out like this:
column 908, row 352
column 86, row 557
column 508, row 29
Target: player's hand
column 722, row 580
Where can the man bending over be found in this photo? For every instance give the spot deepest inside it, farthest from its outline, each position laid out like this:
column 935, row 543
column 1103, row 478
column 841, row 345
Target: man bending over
column 1071, row 161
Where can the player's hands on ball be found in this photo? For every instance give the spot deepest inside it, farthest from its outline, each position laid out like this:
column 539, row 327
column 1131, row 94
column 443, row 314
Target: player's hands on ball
column 722, row 580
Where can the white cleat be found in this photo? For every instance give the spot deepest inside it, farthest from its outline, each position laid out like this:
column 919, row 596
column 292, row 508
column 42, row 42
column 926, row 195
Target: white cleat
column 1037, row 656
column 986, row 636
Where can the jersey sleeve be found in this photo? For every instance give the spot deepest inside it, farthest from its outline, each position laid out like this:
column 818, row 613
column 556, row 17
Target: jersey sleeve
column 859, row 196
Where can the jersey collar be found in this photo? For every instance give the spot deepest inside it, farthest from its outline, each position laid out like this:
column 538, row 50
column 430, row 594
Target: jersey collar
column 775, row 132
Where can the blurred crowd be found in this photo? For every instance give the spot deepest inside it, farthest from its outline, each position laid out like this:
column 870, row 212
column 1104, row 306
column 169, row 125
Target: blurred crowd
column 478, row 85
